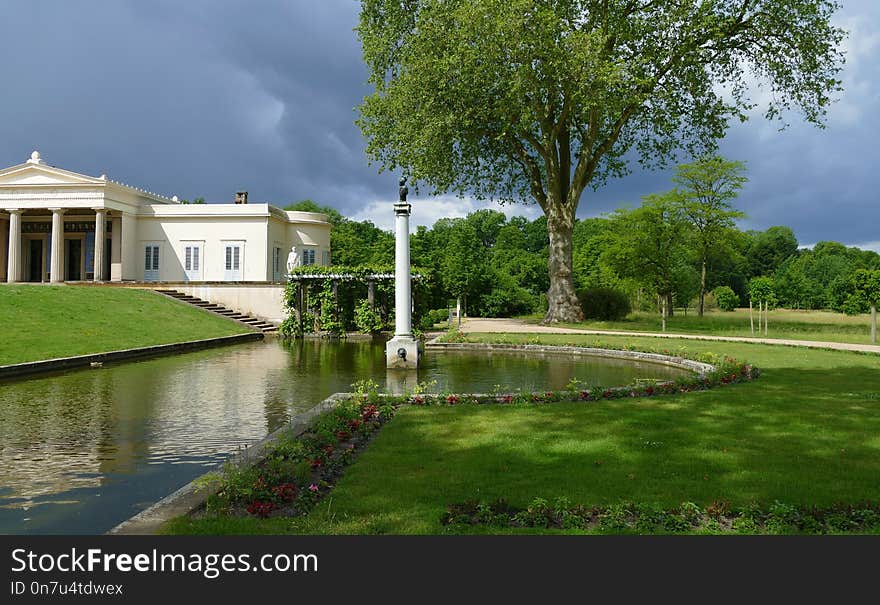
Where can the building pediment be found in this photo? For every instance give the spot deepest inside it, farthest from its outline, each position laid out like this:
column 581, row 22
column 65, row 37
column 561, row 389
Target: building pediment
column 32, row 174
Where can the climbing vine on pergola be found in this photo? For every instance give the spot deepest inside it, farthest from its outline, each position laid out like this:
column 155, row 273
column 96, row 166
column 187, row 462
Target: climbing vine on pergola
column 337, row 299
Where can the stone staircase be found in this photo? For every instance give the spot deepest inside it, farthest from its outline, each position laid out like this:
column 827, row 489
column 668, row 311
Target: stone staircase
column 258, row 324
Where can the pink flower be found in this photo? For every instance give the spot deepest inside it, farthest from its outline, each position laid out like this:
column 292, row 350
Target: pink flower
column 313, row 488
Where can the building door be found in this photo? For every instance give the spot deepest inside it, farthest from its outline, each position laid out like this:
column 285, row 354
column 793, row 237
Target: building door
column 232, row 258
column 73, row 259
column 192, row 261
column 151, row 262
column 35, row 260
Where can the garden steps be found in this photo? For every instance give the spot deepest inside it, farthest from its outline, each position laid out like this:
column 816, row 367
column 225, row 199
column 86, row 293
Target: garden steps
column 252, row 322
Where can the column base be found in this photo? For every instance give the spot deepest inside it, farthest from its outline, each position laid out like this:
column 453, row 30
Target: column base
column 402, row 352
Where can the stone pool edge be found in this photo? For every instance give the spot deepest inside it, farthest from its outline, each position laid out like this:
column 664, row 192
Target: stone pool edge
column 668, row 360
column 82, row 361
column 194, row 494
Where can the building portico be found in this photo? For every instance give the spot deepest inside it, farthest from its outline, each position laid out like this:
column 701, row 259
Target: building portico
column 60, row 226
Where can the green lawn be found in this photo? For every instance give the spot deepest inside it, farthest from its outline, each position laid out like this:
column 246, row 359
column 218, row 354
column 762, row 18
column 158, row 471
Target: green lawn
column 783, row 323
column 806, row 433
column 45, row 322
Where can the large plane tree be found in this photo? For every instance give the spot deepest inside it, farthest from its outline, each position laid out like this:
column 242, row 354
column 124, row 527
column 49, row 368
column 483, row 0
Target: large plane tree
column 537, row 100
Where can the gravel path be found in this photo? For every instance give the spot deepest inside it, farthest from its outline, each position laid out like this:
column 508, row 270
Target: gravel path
column 517, row 326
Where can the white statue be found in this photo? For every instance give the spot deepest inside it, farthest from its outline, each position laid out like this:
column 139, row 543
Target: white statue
column 293, row 259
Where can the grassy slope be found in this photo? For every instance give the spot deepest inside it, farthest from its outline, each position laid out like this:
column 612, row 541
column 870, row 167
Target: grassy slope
column 806, row 432
column 43, row 322
column 783, row 323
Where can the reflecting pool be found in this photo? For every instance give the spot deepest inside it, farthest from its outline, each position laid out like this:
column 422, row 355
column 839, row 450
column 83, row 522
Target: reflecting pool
column 84, row 450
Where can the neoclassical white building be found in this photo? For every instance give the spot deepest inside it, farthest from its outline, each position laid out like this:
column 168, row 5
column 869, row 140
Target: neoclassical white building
column 60, row 226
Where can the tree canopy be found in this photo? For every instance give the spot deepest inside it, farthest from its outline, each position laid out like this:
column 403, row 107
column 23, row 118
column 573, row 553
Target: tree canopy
column 537, row 100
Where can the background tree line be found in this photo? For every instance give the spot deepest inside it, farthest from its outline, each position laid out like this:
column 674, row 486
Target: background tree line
column 670, row 252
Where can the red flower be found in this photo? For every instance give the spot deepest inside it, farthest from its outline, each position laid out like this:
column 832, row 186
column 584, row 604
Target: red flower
column 418, row 400
column 452, row 399
column 369, row 411
column 507, row 399
column 343, row 435
column 355, row 424
column 585, row 395
column 260, row 508
column 285, row 492
column 649, row 391
column 316, row 463
column 328, row 449
column 608, row 393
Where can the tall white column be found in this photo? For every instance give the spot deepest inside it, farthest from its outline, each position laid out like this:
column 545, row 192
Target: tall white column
column 402, row 285
column 100, row 239
column 56, row 266
column 13, row 257
column 402, row 351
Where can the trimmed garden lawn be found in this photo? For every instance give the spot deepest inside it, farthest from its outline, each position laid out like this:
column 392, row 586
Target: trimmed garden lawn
column 807, row 432
column 783, row 323
column 44, row 322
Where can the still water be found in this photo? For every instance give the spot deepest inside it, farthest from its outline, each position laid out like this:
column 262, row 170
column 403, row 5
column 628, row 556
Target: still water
column 84, row 450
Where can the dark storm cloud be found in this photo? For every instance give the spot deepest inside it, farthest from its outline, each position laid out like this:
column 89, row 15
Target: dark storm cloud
column 201, row 98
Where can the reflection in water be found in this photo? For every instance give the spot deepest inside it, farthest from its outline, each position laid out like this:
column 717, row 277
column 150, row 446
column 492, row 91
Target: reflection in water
column 82, row 451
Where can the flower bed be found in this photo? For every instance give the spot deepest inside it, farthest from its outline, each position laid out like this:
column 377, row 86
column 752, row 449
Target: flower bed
column 297, row 472
column 716, row 518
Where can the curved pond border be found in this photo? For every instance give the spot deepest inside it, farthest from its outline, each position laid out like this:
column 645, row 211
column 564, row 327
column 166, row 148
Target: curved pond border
column 699, row 367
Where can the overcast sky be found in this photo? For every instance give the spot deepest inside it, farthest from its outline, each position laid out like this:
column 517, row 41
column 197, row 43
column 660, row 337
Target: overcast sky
column 206, row 97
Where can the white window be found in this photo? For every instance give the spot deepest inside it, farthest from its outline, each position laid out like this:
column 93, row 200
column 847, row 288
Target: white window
column 233, row 261
column 325, row 258
column 308, row 256
column 151, row 262
column 192, row 261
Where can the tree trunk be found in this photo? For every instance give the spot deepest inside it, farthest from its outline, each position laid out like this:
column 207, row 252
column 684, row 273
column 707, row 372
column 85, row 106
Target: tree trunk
column 766, row 314
column 874, row 324
column 670, row 308
column 562, row 301
column 752, row 316
column 458, row 310
column 703, row 287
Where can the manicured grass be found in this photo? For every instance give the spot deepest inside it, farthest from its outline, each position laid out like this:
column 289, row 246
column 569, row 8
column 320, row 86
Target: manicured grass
column 45, row 322
column 783, row 323
column 805, row 433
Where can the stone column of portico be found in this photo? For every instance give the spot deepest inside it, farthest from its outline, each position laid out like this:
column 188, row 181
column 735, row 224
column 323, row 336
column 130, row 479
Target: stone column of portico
column 13, row 256
column 100, row 239
column 4, row 245
column 56, row 267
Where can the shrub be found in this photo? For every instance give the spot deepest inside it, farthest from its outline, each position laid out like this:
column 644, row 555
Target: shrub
column 605, row 304
column 434, row 317
column 726, row 298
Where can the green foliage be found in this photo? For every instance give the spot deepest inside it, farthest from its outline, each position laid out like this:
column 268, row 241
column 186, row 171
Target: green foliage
column 604, row 304
column 346, row 311
column 725, row 298
column 761, row 291
column 366, row 319
column 647, row 244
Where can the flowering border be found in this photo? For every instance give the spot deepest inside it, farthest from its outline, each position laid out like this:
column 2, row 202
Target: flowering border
column 716, row 518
